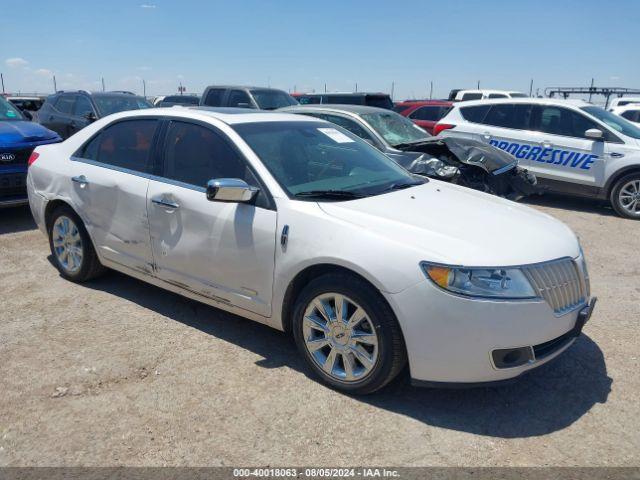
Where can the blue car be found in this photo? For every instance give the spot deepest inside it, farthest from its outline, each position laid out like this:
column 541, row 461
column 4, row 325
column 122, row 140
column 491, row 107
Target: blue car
column 18, row 138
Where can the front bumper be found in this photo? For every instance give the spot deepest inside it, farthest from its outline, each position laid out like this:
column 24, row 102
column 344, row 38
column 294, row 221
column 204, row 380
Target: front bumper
column 450, row 339
column 13, row 189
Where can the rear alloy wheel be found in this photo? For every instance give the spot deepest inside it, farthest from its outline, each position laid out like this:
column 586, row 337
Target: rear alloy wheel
column 625, row 196
column 348, row 334
column 67, row 244
column 71, row 248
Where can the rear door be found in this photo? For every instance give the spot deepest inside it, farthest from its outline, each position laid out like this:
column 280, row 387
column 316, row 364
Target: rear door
column 564, row 152
column 108, row 184
column 58, row 117
column 222, row 251
column 81, row 109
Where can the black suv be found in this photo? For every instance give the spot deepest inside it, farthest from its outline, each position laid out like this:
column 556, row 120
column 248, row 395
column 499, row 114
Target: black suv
column 379, row 100
column 246, row 97
column 68, row 112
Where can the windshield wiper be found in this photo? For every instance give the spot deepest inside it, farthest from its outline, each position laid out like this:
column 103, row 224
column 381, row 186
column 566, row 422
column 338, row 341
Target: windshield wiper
column 332, row 194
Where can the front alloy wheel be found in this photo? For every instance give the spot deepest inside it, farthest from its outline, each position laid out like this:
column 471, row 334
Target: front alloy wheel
column 625, row 196
column 629, row 197
column 340, row 337
column 347, row 333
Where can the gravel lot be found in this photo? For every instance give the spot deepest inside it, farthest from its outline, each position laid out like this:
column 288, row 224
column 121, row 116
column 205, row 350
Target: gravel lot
column 118, row 372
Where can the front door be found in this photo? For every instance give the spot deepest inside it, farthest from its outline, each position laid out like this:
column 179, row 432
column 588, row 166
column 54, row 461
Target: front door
column 109, row 182
column 565, row 153
column 222, row 251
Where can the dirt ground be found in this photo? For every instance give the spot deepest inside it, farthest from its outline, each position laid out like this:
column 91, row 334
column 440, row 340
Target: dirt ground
column 117, row 372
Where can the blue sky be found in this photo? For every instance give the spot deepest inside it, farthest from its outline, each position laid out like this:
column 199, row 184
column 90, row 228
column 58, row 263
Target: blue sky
column 304, row 45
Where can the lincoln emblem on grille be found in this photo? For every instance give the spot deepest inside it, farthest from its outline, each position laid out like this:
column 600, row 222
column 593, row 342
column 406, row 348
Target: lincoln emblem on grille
column 7, row 157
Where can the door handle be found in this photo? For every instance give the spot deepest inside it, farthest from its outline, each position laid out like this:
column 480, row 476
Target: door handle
column 486, row 135
column 165, row 203
column 81, row 179
column 546, row 143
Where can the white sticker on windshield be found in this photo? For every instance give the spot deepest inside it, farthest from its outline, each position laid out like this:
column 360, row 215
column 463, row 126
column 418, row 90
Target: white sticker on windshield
column 335, row 135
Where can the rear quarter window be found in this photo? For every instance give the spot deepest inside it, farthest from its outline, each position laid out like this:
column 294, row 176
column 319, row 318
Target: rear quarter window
column 475, row 114
column 214, row 97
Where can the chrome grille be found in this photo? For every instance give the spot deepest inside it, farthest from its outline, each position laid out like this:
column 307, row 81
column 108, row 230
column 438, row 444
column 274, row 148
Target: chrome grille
column 559, row 282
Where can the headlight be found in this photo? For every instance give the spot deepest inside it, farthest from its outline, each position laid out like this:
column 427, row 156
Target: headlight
column 480, row 282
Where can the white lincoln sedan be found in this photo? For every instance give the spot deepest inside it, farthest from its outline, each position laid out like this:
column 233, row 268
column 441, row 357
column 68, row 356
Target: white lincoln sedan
column 296, row 223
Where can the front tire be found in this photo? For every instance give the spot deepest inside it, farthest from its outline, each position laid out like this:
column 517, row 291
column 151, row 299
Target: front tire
column 71, row 248
column 348, row 334
column 625, row 196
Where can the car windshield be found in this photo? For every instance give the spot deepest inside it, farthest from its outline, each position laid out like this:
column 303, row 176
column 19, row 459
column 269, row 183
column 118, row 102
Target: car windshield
column 309, row 159
column 272, row 99
column 108, row 104
column 614, row 121
column 395, row 128
column 8, row 111
column 518, row 95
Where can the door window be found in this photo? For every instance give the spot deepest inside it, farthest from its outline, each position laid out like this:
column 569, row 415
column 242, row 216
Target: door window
column 562, row 121
column 239, row 98
column 82, row 106
column 347, row 124
column 214, row 97
column 195, row 154
column 632, row 115
column 64, row 104
column 471, row 96
column 429, row 113
column 125, row 144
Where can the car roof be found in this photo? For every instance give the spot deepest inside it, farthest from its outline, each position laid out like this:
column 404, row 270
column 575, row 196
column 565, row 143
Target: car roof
column 243, row 87
column 18, row 97
column 229, row 116
column 540, row 101
column 335, row 107
column 351, row 94
column 486, row 90
column 97, row 94
column 420, row 103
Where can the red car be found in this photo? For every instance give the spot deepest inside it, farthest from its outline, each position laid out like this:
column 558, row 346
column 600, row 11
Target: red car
column 424, row 113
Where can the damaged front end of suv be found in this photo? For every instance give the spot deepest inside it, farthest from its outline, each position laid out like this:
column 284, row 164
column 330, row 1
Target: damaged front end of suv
column 468, row 163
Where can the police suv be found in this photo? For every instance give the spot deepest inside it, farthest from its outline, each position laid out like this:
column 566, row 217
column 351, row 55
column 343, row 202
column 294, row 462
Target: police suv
column 573, row 147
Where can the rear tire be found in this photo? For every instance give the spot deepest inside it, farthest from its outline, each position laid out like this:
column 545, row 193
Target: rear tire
column 625, row 196
column 71, row 248
column 348, row 334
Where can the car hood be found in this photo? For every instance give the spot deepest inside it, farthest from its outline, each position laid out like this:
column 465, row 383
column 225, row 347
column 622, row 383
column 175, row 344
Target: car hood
column 18, row 132
column 454, row 225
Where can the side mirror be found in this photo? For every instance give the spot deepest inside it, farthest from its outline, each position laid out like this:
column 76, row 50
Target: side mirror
column 594, row 133
column 90, row 117
column 244, row 105
column 230, row 190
